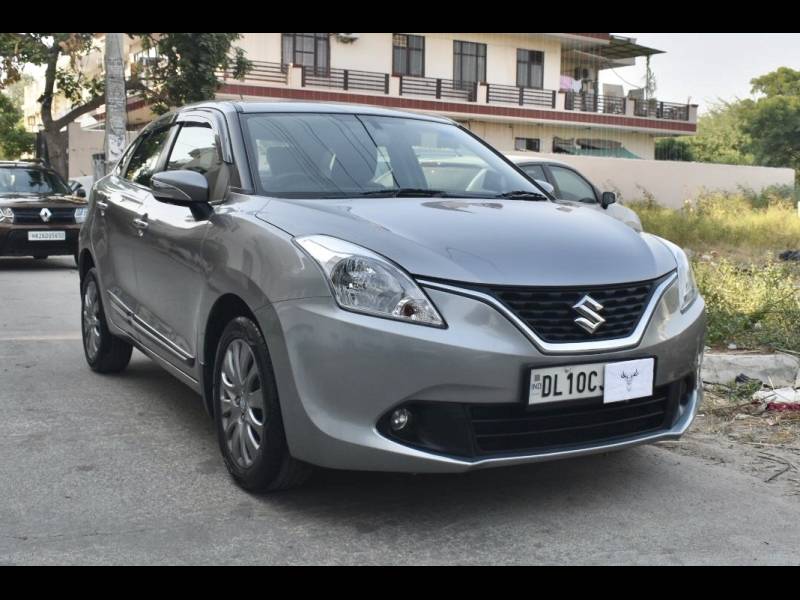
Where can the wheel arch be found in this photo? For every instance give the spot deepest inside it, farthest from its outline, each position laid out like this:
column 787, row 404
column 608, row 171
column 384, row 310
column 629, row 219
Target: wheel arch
column 226, row 308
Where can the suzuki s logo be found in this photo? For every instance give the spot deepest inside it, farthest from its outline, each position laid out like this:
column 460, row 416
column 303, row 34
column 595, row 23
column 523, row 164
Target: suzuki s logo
column 589, row 308
column 45, row 214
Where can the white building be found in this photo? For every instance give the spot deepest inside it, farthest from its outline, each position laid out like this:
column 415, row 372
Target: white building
column 518, row 91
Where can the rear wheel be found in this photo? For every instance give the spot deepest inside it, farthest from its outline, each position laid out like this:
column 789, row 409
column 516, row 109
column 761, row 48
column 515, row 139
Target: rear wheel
column 104, row 352
column 247, row 413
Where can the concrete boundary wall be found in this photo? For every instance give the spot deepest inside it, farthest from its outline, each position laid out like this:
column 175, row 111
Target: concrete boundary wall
column 670, row 182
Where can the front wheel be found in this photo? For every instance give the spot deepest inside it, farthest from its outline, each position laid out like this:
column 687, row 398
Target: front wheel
column 247, row 413
column 104, row 352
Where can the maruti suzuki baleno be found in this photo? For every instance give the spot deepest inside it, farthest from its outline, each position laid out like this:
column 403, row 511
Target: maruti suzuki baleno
column 358, row 288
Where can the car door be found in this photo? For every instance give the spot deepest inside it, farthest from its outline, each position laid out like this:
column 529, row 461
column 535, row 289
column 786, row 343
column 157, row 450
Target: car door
column 170, row 265
column 120, row 202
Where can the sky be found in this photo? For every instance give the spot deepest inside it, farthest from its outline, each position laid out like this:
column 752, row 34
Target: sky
column 702, row 67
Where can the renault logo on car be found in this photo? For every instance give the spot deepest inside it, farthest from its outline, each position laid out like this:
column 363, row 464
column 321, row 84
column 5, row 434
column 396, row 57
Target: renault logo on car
column 45, row 214
column 588, row 308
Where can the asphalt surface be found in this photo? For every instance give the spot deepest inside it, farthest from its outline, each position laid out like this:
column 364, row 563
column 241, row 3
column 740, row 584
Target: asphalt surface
column 125, row 469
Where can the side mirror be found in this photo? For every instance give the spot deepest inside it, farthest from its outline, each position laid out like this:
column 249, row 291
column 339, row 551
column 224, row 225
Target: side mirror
column 607, row 199
column 80, row 192
column 183, row 188
column 546, row 186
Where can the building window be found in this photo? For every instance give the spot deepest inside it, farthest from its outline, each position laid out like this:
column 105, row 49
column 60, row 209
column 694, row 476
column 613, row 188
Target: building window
column 306, row 49
column 530, row 68
column 408, row 55
column 469, row 62
column 531, row 144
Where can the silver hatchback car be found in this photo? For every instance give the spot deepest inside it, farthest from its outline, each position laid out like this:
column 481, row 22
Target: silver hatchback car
column 358, row 288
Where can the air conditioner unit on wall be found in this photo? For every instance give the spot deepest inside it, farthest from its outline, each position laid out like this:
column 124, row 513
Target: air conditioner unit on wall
column 347, row 38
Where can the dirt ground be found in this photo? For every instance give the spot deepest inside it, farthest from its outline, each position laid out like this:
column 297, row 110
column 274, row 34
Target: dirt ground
column 733, row 431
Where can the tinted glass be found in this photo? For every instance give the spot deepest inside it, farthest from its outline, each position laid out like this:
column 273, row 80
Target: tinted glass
column 571, row 185
column 19, row 180
column 145, row 157
column 330, row 155
column 196, row 149
column 534, row 172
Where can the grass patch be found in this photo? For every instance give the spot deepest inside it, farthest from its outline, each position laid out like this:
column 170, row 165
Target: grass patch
column 727, row 222
column 752, row 299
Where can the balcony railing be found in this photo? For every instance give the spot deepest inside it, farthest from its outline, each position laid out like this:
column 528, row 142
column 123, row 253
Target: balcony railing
column 661, row 110
column 439, row 88
column 594, row 103
column 520, row 95
column 260, row 71
column 346, row 79
column 448, row 89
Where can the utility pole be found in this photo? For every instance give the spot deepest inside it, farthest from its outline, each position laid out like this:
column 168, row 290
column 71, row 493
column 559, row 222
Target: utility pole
column 116, row 105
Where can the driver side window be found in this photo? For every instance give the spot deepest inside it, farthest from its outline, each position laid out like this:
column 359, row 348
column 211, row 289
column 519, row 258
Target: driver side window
column 572, row 186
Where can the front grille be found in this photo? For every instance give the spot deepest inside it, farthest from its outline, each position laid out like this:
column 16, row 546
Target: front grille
column 549, row 311
column 31, row 216
column 503, row 429
column 477, row 431
column 17, row 244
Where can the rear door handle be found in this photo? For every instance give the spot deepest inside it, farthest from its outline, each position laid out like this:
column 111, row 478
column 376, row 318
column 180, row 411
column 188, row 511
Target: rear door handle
column 141, row 224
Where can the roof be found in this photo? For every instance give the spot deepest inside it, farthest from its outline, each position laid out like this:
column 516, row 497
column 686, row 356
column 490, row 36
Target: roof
column 622, row 47
column 616, row 152
column 321, row 107
column 521, row 159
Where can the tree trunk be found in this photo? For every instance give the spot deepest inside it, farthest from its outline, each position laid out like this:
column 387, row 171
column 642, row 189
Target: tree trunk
column 116, row 105
column 57, row 150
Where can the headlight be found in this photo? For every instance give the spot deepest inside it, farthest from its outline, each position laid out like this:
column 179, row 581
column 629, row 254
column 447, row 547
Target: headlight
column 687, row 287
column 6, row 214
column 365, row 282
column 80, row 214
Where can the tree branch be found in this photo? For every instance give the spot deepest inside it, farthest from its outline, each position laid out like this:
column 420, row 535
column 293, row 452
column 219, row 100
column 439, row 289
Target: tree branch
column 96, row 102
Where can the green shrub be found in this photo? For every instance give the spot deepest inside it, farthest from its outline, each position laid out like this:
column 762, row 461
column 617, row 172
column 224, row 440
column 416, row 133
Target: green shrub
column 751, row 305
column 767, row 220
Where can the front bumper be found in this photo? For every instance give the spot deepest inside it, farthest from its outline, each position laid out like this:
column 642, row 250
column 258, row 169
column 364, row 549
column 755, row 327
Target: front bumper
column 339, row 374
column 14, row 241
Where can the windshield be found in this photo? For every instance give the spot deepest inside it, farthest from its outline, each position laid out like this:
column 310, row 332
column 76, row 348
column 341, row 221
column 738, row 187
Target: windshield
column 309, row 155
column 21, row 180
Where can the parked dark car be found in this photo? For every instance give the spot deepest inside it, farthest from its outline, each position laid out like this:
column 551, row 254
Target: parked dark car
column 342, row 297
column 40, row 215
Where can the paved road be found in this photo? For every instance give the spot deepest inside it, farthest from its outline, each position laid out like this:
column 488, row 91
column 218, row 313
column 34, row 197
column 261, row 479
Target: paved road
column 125, row 469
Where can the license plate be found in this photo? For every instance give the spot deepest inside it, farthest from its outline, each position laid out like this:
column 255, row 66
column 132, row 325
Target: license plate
column 47, row 236
column 615, row 382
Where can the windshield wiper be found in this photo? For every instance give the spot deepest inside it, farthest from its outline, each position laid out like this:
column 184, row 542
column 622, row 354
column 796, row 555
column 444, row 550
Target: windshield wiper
column 522, row 195
column 398, row 192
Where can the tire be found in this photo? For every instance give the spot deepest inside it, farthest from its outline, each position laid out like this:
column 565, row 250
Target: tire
column 105, row 353
column 41, row 257
column 247, row 413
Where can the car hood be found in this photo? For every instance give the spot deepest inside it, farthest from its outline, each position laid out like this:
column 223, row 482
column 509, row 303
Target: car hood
column 503, row 242
column 34, row 200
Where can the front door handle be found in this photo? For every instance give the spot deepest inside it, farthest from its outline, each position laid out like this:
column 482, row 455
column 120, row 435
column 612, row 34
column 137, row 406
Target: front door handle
column 141, row 224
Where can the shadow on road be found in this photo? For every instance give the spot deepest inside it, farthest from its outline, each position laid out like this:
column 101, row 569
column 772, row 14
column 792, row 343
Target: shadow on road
column 59, row 263
column 374, row 500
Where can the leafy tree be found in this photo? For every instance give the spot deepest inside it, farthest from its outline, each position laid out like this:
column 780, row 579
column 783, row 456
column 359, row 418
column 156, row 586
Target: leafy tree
column 184, row 73
column 721, row 135
column 782, row 82
column 184, row 70
column 773, row 120
column 14, row 140
column 674, row 149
